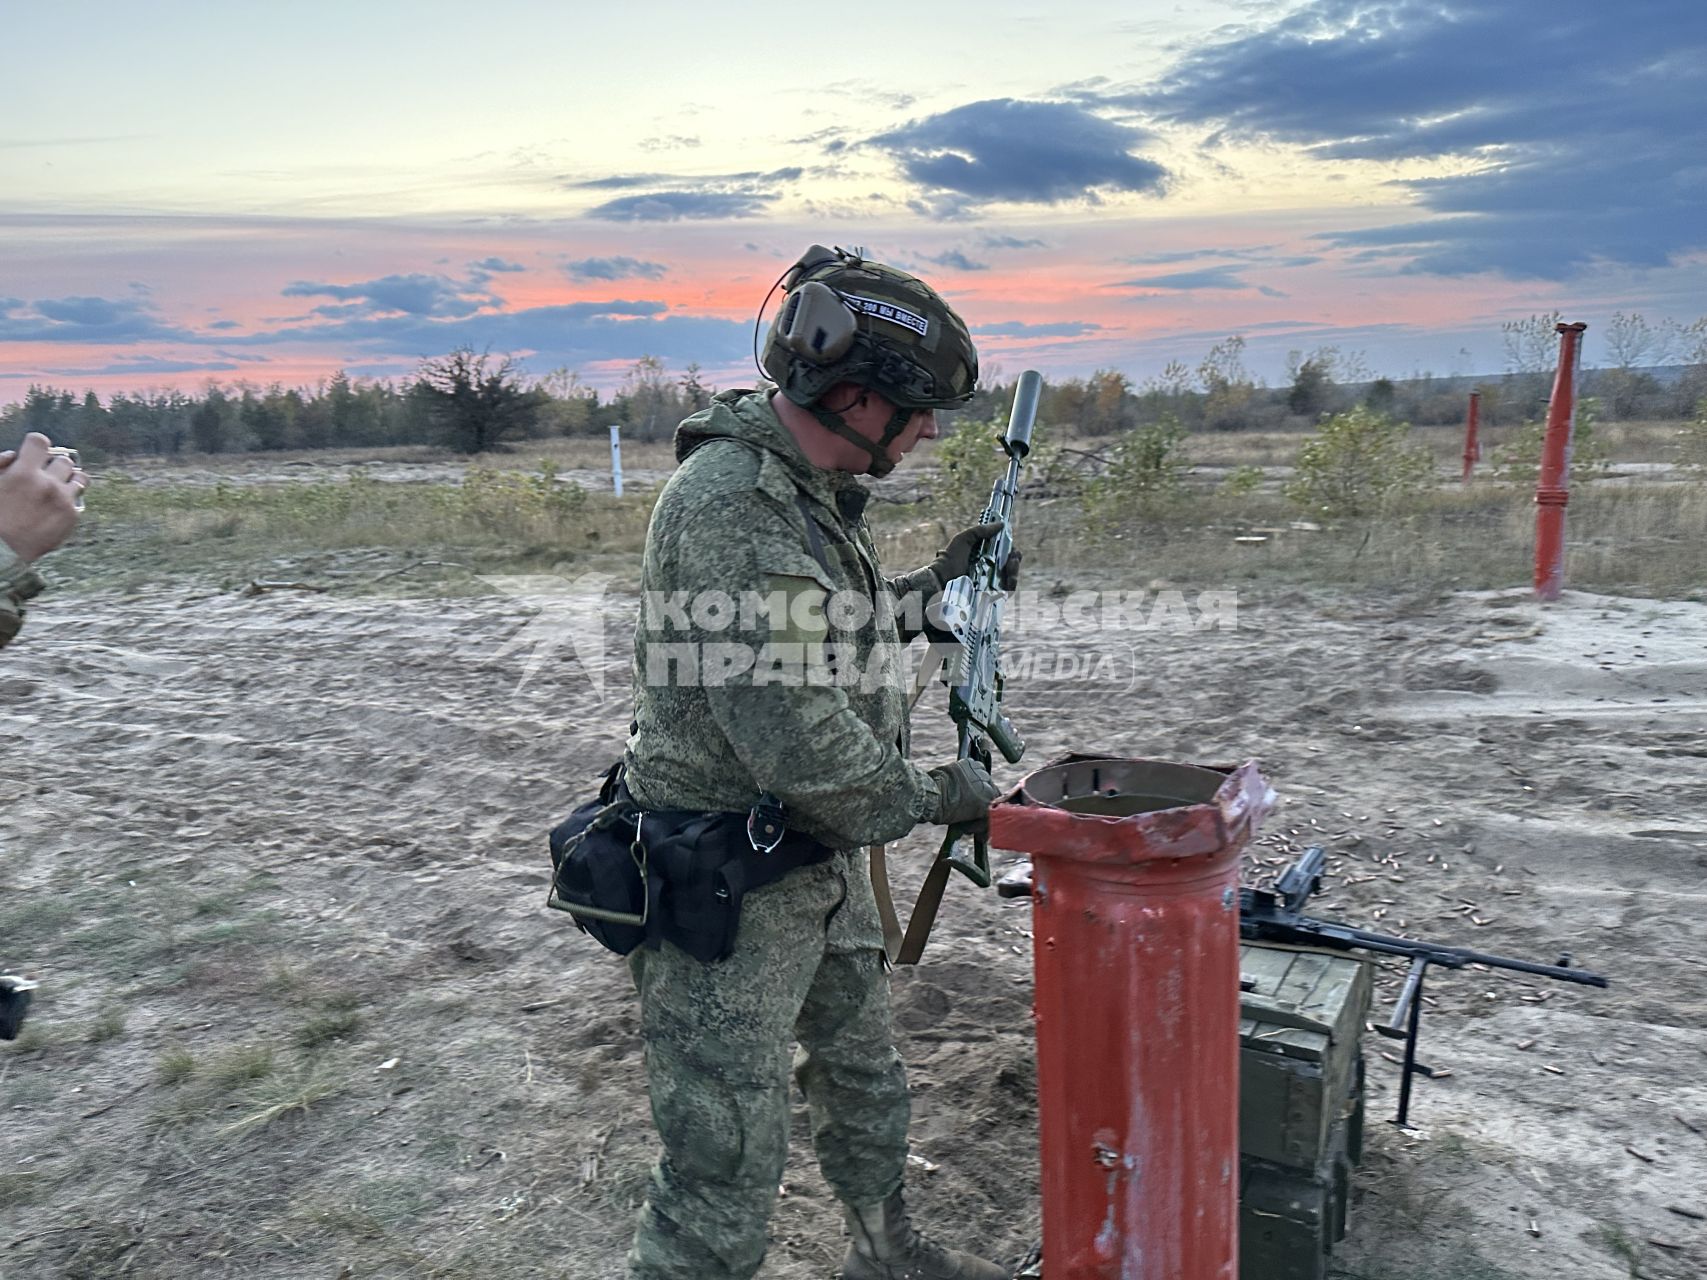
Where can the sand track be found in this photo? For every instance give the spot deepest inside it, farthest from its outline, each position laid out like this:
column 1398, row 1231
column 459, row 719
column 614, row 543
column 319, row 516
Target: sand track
column 239, row 821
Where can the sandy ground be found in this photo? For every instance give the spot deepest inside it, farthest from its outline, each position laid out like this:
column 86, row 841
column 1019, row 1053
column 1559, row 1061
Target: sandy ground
column 279, row 865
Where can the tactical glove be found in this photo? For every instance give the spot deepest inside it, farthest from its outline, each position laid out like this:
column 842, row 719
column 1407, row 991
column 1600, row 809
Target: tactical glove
column 955, row 560
column 964, row 793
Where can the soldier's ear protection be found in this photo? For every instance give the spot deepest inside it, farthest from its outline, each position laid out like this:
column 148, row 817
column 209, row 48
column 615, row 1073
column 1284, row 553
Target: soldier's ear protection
column 815, row 324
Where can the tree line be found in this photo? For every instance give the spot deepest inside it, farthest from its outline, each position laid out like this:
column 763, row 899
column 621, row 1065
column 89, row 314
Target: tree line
column 472, row 401
column 468, row 401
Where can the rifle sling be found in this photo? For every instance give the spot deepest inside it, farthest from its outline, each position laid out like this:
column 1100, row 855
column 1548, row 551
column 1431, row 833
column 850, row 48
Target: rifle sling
column 924, row 913
column 894, row 945
column 885, row 903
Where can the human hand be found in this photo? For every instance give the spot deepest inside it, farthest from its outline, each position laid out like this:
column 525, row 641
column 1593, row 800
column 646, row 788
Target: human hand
column 955, row 560
column 965, row 792
column 41, row 492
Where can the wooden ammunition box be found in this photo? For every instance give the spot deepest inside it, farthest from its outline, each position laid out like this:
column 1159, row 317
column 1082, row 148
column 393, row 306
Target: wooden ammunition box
column 1289, row 1221
column 1300, row 1034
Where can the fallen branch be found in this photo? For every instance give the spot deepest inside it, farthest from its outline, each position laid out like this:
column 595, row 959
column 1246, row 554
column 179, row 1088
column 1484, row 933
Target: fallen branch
column 419, row 564
column 261, row 586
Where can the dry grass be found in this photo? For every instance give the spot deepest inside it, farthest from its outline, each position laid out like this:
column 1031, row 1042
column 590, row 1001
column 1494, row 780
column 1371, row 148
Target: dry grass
column 282, row 1095
column 360, row 534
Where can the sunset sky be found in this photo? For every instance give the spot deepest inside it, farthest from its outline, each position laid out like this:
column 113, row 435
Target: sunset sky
column 194, row 190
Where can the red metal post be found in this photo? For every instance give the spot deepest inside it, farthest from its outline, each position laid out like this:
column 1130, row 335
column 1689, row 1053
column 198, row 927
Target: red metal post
column 1552, row 491
column 1472, row 438
column 1135, row 917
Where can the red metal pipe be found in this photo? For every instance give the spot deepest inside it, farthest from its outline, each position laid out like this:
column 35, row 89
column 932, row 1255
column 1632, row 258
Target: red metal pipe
column 1472, row 440
column 1552, row 491
column 1135, row 918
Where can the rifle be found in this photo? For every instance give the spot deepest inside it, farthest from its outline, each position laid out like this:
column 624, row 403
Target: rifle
column 971, row 612
column 1277, row 915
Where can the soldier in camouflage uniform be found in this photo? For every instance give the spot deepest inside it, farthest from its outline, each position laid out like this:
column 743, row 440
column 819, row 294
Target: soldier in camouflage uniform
column 39, row 491
column 804, row 700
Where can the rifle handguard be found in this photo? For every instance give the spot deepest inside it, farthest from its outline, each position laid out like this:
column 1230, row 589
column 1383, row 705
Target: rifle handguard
column 1006, row 740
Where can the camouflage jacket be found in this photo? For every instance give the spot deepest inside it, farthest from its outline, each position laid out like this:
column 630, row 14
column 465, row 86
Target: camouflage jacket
column 18, row 582
column 756, row 665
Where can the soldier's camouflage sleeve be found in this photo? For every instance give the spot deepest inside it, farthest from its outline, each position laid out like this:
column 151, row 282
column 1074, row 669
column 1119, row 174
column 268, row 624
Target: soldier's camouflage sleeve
column 800, row 740
column 18, row 583
column 11, row 620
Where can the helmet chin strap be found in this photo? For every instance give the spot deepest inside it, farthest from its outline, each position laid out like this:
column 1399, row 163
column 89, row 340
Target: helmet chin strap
column 881, row 464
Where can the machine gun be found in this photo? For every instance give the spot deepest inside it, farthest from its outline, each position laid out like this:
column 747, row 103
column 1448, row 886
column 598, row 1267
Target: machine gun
column 971, row 612
column 1277, row 915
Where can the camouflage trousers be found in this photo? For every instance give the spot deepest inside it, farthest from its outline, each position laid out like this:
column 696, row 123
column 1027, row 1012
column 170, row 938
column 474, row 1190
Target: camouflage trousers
column 807, row 967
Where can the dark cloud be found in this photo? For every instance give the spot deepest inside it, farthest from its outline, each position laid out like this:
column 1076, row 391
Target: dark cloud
column 621, row 181
column 496, row 264
column 944, row 206
column 1169, row 257
column 730, row 183
column 832, row 139
column 416, row 294
column 1224, row 277
column 87, row 312
column 1011, row 242
column 1262, row 254
column 147, row 365
column 390, row 330
column 1024, row 152
column 1585, row 126
column 575, row 333
column 618, row 268
column 678, row 206
column 1021, row 329
column 224, row 325
column 83, row 319
column 955, row 260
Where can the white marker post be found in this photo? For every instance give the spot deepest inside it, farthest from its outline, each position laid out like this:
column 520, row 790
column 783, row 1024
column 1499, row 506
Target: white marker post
column 616, row 460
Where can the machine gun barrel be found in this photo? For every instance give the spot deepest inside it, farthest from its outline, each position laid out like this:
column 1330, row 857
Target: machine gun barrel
column 1308, row 931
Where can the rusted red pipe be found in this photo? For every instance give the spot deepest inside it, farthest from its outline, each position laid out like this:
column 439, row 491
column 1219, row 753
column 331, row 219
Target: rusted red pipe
column 1472, row 438
column 1135, row 918
column 1552, row 491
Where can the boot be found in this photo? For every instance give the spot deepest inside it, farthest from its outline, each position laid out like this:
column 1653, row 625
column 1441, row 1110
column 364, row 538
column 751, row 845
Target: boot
column 884, row 1246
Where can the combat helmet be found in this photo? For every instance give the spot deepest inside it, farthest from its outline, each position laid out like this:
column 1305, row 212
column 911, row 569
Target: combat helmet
column 844, row 319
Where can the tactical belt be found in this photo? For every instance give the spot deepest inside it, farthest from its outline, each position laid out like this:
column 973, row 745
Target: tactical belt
column 643, row 877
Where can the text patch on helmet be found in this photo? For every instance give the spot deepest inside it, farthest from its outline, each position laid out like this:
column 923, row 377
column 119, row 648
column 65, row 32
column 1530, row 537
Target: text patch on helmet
column 888, row 311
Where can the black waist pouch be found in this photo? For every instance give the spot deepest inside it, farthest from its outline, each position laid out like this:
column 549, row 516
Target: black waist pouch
column 631, row 876
column 601, row 874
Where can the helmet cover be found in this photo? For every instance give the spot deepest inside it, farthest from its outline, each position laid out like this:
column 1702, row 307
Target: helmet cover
column 905, row 343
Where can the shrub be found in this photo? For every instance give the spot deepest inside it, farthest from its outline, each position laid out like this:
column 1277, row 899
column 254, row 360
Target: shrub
column 1692, row 442
column 1518, row 460
column 1358, row 463
column 1241, row 482
column 1143, row 480
column 969, row 462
